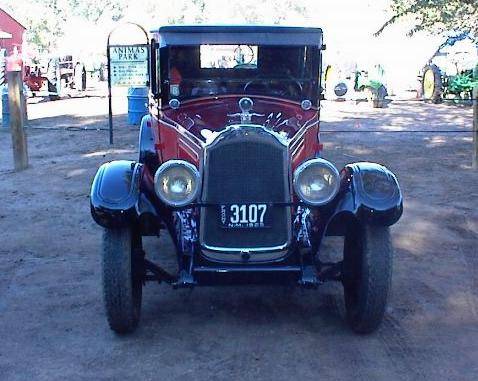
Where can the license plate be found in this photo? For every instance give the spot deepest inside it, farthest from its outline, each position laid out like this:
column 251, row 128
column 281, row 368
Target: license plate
column 244, row 216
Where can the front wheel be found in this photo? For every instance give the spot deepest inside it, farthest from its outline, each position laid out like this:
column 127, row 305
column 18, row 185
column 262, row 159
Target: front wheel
column 367, row 274
column 52, row 91
column 122, row 278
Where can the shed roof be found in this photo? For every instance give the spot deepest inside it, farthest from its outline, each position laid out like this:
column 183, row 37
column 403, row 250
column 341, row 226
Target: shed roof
column 4, row 12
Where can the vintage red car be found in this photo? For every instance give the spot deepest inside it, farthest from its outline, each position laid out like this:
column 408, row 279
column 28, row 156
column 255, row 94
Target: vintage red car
column 230, row 165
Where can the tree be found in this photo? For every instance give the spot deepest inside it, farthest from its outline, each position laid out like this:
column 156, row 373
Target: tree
column 45, row 20
column 48, row 22
column 436, row 16
column 443, row 17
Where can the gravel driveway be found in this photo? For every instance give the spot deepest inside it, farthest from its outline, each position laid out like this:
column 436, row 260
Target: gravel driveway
column 52, row 324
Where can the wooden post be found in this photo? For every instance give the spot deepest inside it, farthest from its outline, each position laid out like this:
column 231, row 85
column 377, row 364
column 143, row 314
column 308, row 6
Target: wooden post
column 17, row 120
column 475, row 120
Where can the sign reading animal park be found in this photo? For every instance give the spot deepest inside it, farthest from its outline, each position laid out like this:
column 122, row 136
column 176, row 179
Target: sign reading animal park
column 129, row 65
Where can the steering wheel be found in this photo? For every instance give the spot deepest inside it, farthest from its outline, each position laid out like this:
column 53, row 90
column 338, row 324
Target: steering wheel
column 288, row 87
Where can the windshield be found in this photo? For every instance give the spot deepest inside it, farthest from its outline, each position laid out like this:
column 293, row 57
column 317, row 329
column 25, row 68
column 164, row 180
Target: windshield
column 290, row 72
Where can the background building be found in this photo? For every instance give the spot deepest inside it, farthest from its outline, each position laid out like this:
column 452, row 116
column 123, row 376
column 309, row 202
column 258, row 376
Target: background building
column 11, row 39
column 10, row 26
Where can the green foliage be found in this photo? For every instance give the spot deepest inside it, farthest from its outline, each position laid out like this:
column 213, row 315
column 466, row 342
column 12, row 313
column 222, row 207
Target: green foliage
column 45, row 20
column 436, row 16
column 50, row 22
column 94, row 10
column 41, row 30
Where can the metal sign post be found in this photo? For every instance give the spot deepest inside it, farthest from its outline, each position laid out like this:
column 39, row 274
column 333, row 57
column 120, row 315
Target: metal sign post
column 127, row 66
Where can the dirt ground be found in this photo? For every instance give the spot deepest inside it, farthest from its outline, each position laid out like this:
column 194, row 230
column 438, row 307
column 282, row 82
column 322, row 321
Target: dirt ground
column 52, row 324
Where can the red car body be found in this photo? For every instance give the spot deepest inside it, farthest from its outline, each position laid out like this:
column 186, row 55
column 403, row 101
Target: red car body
column 179, row 143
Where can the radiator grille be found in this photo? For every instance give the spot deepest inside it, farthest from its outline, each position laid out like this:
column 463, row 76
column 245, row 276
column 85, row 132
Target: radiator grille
column 246, row 165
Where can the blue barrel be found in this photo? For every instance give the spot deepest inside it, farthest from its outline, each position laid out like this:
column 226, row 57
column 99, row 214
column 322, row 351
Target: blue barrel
column 5, row 108
column 137, row 104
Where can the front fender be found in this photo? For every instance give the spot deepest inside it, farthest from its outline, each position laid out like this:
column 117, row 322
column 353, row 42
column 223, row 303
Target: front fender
column 147, row 150
column 370, row 194
column 115, row 192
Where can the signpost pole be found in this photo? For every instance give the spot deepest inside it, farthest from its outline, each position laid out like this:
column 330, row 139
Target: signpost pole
column 110, row 105
column 110, row 85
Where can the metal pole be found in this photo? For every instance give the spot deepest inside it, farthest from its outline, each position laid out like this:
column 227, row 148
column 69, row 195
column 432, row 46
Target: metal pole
column 110, row 106
column 475, row 119
column 108, row 59
column 17, row 119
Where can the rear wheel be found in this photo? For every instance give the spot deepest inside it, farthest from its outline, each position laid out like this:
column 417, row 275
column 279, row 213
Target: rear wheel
column 52, row 76
column 52, row 91
column 432, row 85
column 122, row 278
column 83, row 79
column 61, row 87
column 367, row 274
column 378, row 96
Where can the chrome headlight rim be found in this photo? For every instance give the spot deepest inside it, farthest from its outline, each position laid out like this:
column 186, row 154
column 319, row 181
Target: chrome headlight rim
column 189, row 167
column 316, row 162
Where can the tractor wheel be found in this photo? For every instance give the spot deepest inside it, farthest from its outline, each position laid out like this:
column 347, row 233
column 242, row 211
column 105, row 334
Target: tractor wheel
column 79, row 77
column 52, row 91
column 340, row 89
column 61, row 87
column 432, row 85
column 83, row 79
column 122, row 278
column 378, row 97
column 52, row 79
column 367, row 274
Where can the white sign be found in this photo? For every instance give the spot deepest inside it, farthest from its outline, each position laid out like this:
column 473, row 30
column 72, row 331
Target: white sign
column 129, row 65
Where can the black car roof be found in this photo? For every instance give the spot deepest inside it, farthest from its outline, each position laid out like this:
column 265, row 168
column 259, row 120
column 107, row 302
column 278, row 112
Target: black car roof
column 238, row 34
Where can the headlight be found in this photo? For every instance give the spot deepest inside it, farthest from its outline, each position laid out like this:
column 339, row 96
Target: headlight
column 177, row 182
column 316, row 181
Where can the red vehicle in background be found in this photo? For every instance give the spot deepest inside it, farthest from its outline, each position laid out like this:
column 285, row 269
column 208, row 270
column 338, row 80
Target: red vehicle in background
column 230, row 166
column 59, row 75
column 33, row 78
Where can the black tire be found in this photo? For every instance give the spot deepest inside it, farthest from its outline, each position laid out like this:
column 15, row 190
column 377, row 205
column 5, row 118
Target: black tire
column 79, row 77
column 83, row 79
column 54, row 79
column 340, row 89
column 122, row 278
column 52, row 91
column 381, row 93
column 433, row 91
column 367, row 274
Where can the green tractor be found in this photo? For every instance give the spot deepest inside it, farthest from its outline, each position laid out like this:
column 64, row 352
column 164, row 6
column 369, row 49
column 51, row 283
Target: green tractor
column 373, row 87
column 449, row 72
column 355, row 83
